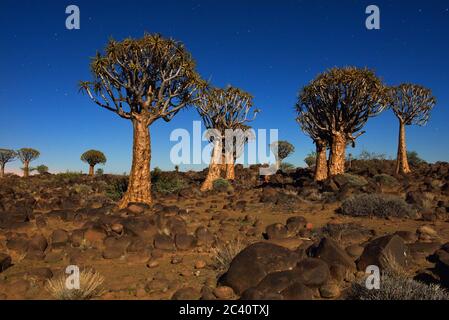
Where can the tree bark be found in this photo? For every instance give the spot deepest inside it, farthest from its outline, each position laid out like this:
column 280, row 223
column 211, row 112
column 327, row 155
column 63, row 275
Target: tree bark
column 139, row 185
column 321, row 161
column 2, row 170
column 230, row 171
column 26, row 169
column 91, row 170
column 215, row 168
column 402, row 161
column 337, row 154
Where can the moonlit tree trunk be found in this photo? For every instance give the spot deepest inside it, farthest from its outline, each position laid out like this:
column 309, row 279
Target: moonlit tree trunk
column 321, row 161
column 215, row 168
column 338, row 154
column 402, row 161
column 139, row 185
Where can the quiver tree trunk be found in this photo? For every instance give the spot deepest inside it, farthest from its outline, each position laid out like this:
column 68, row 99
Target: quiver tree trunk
column 2, row 170
column 230, row 171
column 402, row 161
column 91, row 170
column 139, row 185
column 26, row 169
column 215, row 168
column 337, row 155
column 320, row 161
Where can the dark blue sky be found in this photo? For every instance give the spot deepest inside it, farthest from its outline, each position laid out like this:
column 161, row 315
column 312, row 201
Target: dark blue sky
column 269, row 48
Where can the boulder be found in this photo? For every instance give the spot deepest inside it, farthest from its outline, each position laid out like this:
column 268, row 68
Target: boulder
column 312, row 272
column 276, row 231
column 5, row 262
column 255, row 262
column 383, row 252
column 329, row 251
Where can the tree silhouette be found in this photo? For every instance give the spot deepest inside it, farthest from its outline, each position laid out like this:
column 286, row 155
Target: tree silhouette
column 224, row 112
column 335, row 106
column 412, row 105
column 6, row 155
column 26, row 155
column 143, row 80
column 42, row 169
column 93, row 157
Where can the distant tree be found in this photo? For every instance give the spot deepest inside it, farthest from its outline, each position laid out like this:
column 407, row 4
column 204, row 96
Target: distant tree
column 93, row 157
column 282, row 149
column 41, row 169
column 414, row 159
column 366, row 155
column 26, row 155
column 225, row 112
column 336, row 105
column 286, row 166
column 99, row 172
column 6, row 156
column 143, row 80
column 412, row 105
column 310, row 159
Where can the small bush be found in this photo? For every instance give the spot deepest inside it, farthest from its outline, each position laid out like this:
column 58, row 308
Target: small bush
column 352, row 180
column 286, row 167
column 99, row 172
column 221, row 185
column 90, row 287
column 168, row 182
column 225, row 252
column 386, row 180
column 117, row 188
column 414, row 159
column 310, row 159
column 395, row 286
column 82, row 188
column 42, row 169
column 378, row 205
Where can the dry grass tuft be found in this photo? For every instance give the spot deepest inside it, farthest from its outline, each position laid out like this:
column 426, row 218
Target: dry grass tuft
column 90, row 286
column 225, row 252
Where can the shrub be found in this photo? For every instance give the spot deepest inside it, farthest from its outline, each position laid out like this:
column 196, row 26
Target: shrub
column 225, row 252
column 99, row 172
column 285, row 167
column 378, row 205
column 82, row 188
column 310, row 159
column 414, row 159
column 386, row 180
column 366, row 155
column 117, row 188
column 352, row 180
column 90, row 287
column 221, row 185
column 395, row 286
column 42, row 169
column 168, row 182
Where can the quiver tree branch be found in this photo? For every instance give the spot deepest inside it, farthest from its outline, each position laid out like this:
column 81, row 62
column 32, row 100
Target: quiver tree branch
column 6, row 156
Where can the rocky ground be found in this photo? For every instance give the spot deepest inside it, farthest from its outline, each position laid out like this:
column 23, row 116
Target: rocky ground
column 288, row 238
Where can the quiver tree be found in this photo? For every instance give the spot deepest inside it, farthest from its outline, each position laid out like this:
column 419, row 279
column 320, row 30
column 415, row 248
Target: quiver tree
column 224, row 113
column 412, row 105
column 6, row 156
column 338, row 103
column 26, row 155
column 143, row 80
column 93, row 157
column 281, row 149
column 320, row 139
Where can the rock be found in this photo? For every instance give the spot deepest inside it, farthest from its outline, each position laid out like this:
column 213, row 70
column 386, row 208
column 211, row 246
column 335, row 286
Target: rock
column 188, row 293
column 77, row 237
column 312, row 272
column 407, row 236
column 113, row 252
column 117, row 228
column 253, row 263
column 276, row 282
column 295, row 224
column 204, row 236
column 151, row 263
column 297, row 291
column 424, row 200
column 38, row 242
column 355, row 251
column 382, row 252
column 18, row 244
column 276, row 231
column 329, row 251
column 200, row 264
column 426, row 233
column 185, row 242
column 94, row 236
column 442, row 264
column 223, row 292
column 137, row 208
column 5, row 262
column 157, row 285
column 59, row 237
column 164, row 242
column 329, row 291
column 41, row 273
column 176, row 260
